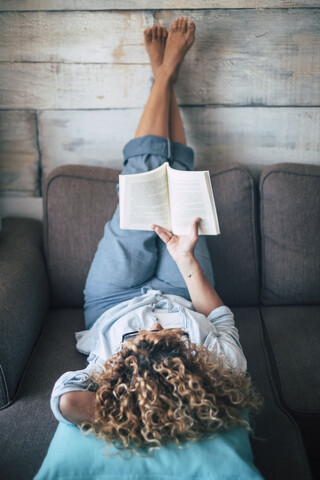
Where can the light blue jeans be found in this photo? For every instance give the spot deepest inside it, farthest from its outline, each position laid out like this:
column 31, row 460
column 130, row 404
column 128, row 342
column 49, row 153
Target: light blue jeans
column 127, row 263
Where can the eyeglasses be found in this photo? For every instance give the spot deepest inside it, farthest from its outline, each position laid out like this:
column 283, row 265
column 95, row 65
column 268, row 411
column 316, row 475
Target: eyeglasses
column 131, row 335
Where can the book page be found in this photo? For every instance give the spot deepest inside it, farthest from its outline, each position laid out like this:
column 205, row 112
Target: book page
column 144, row 200
column 191, row 196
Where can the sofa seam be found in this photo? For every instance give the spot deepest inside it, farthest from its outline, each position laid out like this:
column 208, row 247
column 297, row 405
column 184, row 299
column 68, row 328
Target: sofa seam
column 254, row 242
column 33, row 352
column 9, row 401
column 252, row 217
column 275, row 391
column 261, row 189
column 6, row 399
column 263, row 273
column 274, row 172
column 279, row 374
column 47, row 194
column 230, row 169
column 27, row 363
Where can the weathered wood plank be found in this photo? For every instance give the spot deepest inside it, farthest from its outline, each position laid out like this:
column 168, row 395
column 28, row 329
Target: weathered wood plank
column 117, row 37
column 84, row 37
column 91, row 137
column 241, row 57
column 19, row 155
column 253, row 136
column 56, row 85
column 26, row 207
column 251, row 58
column 29, row 5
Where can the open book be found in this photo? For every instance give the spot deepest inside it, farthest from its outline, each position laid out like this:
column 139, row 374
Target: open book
column 169, row 198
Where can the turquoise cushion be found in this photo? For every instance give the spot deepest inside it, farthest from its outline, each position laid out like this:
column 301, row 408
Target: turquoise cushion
column 73, row 455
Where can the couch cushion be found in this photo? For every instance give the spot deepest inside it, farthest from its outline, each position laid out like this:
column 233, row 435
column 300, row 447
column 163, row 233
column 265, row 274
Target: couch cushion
column 278, row 449
column 24, row 298
column 73, row 456
column 290, row 231
column 234, row 253
column 27, row 426
column 277, row 445
column 78, row 200
column 294, row 344
column 25, row 436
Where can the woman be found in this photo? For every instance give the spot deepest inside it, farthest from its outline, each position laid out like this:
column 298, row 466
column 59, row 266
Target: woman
column 161, row 368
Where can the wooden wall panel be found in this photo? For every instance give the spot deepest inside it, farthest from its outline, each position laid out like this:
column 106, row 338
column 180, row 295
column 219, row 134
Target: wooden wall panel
column 87, row 137
column 19, row 157
column 274, row 60
column 250, row 86
column 62, row 85
column 30, row 5
column 251, row 58
column 30, row 207
column 252, row 136
column 81, row 37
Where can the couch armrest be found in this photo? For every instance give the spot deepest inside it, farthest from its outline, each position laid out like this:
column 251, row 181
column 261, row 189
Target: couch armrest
column 24, row 298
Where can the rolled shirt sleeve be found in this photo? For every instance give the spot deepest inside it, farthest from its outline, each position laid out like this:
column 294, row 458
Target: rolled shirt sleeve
column 224, row 339
column 70, row 382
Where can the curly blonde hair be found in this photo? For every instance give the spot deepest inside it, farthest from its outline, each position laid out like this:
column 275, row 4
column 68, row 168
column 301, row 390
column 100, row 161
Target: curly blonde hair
column 161, row 388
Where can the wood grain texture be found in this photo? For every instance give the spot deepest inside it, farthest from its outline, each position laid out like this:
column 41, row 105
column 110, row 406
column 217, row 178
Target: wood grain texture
column 18, row 154
column 240, row 57
column 252, row 80
column 79, row 37
column 21, row 207
column 149, row 4
column 58, row 85
column 94, row 137
column 253, row 136
column 251, row 58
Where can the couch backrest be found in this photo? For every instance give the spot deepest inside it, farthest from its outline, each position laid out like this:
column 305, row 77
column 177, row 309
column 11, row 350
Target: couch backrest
column 290, row 232
column 235, row 252
column 79, row 200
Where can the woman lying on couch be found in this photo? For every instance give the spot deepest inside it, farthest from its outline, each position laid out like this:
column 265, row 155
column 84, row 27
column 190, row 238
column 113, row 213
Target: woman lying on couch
column 160, row 368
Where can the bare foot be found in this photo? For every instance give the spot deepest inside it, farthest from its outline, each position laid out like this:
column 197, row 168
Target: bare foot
column 155, row 42
column 180, row 38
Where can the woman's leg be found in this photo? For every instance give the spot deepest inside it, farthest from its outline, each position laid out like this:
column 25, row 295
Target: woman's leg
column 125, row 260
column 155, row 43
column 167, row 276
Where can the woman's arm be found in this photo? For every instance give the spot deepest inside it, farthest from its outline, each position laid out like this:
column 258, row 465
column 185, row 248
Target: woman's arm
column 181, row 248
column 202, row 294
column 78, row 406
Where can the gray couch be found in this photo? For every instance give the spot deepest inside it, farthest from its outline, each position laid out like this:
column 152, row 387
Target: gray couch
column 267, row 269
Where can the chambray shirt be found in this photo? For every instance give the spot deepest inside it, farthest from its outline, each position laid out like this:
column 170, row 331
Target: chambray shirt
column 217, row 333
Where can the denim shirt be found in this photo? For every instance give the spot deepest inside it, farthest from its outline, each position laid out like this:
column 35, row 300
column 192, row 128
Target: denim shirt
column 217, row 333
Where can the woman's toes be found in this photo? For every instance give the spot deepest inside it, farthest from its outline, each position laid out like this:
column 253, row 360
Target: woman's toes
column 174, row 26
column 191, row 25
column 159, row 32
column 183, row 24
column 147, row 33
column 164, row 33
column 154, row 31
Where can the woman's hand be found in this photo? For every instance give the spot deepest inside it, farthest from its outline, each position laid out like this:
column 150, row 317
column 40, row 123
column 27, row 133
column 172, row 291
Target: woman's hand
column 179, row 246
